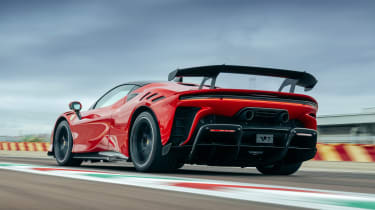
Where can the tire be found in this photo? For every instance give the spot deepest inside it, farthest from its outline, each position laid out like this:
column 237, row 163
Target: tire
column 145, row 144
column 172, row 165
column 280, row 168
column 63, row 144
column 179, row 165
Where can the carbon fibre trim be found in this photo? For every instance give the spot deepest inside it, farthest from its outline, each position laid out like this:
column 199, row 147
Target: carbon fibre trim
column 182, row 124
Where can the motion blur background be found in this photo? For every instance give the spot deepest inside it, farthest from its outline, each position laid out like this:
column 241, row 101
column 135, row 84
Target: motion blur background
column 54, row 52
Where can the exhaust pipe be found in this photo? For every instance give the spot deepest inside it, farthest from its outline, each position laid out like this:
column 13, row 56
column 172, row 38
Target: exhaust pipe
column 284, row 117
column 247, row 115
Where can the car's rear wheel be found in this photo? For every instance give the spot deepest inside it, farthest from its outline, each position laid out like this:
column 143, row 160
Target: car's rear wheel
column 146, row 147
column 179, row 165
column 145, row 143
column 63, row 144
column 280, row 168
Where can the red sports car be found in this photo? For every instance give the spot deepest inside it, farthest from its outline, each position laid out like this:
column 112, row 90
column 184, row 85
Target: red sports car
column 163, row 125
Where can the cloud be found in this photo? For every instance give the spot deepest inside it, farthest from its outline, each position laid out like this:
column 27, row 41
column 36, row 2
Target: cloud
column 52, row 52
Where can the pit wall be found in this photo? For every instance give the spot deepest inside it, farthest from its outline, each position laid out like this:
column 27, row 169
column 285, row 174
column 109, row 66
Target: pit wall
column 326, row 152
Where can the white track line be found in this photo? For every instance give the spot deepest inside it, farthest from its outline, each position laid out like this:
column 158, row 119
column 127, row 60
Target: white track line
column 272, row 194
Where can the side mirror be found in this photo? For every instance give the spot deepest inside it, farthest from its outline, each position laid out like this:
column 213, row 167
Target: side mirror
column 76, row 107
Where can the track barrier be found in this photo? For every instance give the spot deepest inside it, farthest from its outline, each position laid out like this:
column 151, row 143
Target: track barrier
column 346, row 152
column 25, row 146
column 326, row 152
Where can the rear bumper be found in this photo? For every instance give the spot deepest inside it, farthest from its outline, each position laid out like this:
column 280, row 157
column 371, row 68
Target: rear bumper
column 234, row 145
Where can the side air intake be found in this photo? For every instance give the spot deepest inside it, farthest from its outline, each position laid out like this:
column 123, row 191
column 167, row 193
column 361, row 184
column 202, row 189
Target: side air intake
column 182, row 123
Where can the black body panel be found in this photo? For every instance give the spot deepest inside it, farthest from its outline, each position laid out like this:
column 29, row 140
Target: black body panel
column 303, row 79
column 232, row 149
column 232, row 141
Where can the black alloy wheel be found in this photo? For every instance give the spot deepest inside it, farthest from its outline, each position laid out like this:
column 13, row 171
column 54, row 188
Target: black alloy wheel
column 146, row 147
column 143, row 143
column 63, row 144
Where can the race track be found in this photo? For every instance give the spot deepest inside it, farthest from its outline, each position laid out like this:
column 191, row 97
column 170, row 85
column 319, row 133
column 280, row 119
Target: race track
column 36, row 183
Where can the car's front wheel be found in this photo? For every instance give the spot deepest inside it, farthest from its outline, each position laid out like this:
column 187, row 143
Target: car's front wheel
column 280, row 168
column 63, row 144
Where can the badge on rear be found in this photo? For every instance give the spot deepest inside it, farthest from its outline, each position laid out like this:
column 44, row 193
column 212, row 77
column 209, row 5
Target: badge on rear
column 264, row 139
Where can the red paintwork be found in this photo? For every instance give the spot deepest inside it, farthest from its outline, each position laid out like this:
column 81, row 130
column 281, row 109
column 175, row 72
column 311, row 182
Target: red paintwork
column 107, row 129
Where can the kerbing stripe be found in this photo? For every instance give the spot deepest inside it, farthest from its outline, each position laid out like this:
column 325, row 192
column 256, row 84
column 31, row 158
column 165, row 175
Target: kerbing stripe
column 272, row 194
column 205, row 186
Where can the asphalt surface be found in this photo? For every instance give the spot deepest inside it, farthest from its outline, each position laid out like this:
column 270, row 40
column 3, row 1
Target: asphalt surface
column 30, row 191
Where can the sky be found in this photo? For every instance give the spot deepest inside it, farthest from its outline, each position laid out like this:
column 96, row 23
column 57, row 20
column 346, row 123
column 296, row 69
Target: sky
column 53, row 52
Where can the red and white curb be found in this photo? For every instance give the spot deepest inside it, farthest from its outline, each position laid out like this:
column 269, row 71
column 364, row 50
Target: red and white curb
column 279, row 195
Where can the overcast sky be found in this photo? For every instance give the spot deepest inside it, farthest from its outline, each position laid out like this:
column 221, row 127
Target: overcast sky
column 53, row 52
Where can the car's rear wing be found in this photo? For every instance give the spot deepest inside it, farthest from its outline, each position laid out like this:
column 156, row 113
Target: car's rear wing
column 292, row 78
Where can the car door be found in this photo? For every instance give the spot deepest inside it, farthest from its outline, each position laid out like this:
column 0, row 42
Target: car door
column 92, row 132
column 121, row 119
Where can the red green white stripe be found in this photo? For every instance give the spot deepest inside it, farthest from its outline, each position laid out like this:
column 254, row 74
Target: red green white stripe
column 287, row 196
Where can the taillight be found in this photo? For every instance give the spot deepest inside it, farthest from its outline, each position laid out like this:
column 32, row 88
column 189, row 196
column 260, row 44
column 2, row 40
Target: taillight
column 222, row 130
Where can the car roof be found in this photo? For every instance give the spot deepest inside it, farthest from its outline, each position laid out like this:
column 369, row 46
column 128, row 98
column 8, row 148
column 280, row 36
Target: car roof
column 142, row 83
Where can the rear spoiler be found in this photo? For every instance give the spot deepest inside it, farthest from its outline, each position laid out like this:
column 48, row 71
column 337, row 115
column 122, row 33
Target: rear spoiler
column 292, row 78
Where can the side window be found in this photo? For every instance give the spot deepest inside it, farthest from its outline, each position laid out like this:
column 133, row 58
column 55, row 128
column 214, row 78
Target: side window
column 113, row 96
